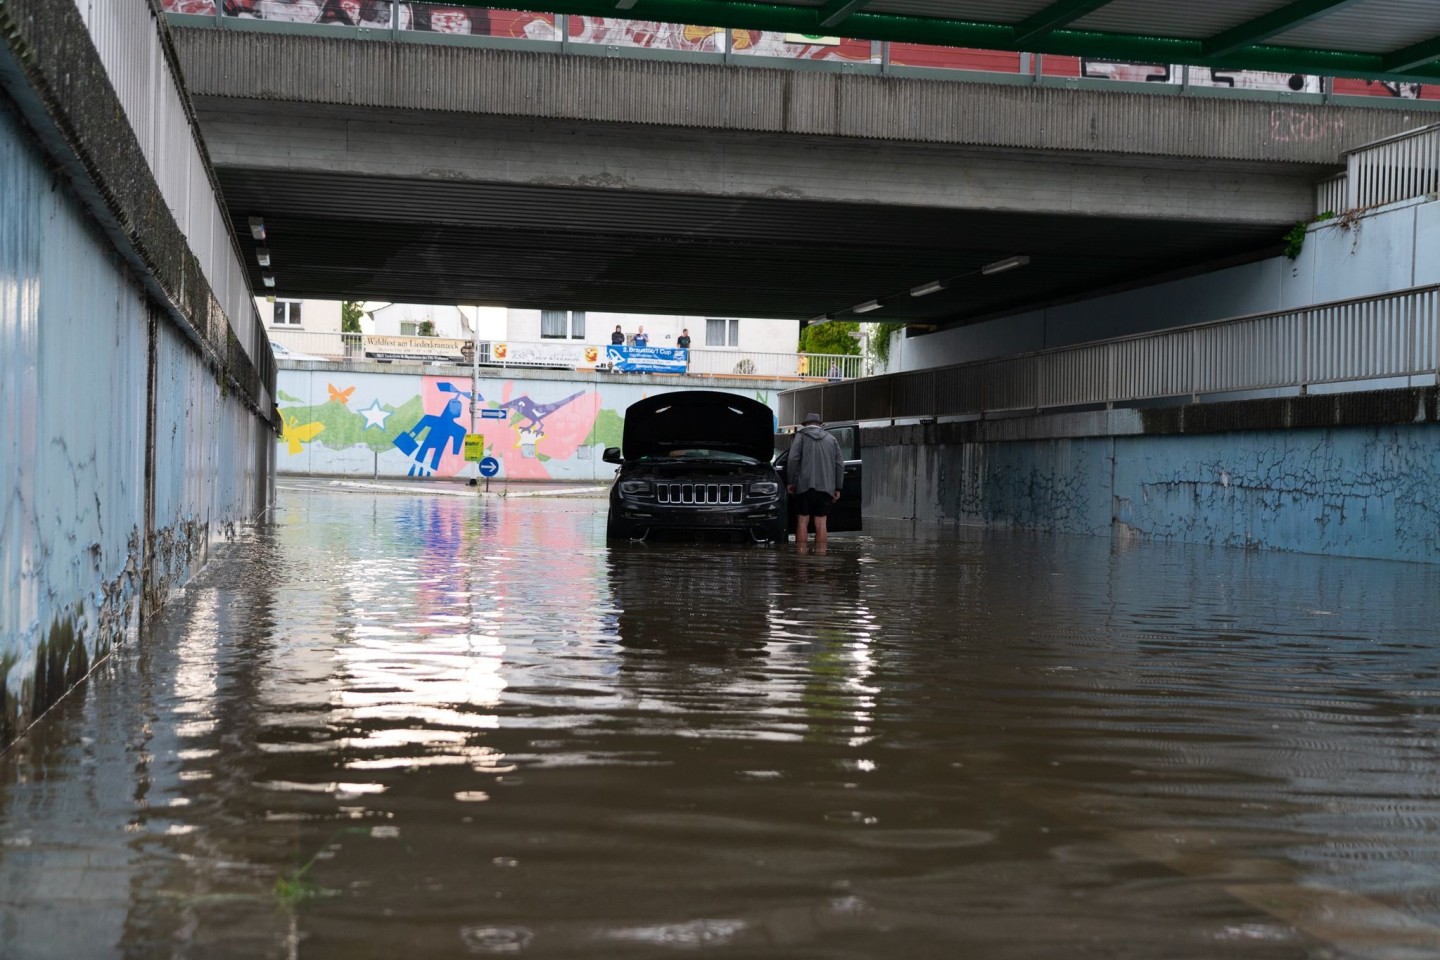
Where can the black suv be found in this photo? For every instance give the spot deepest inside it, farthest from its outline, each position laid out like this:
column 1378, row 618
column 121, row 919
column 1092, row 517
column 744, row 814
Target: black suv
column 696, row 463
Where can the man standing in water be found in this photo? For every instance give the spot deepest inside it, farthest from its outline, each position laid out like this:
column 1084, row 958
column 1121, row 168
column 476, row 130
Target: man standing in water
column 814, row 474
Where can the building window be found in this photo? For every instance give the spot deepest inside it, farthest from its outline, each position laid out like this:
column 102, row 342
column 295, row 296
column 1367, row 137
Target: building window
column 722, row 333
column 287, row 313
column 554, row 324
column 409, row 328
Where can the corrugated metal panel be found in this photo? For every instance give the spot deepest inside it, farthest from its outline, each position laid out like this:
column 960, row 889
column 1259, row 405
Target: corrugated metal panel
column 978, row 11
column 521, row 83
column 127, row 38
column 124, row 34
column 1189, row 20
column 1377, row 26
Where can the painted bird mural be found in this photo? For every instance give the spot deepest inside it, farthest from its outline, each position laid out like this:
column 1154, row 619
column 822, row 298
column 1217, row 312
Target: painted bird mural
column 536, row 412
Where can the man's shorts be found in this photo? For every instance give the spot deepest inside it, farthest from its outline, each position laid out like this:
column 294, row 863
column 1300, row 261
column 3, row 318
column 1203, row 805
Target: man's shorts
column 814, row 503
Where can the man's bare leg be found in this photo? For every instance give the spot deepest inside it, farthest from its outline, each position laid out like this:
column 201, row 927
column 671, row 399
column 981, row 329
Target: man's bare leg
column 822, row 532
column 802, row 530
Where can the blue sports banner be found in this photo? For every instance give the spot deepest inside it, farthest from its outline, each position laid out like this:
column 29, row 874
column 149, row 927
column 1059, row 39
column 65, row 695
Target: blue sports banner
column 647, row 359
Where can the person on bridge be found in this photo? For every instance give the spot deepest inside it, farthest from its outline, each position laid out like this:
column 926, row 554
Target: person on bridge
column 642, row 339
column 814, row 475
column 683, row 341
column 618, row 337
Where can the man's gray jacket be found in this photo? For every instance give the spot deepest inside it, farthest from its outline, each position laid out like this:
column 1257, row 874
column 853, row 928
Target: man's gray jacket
column 815, row 461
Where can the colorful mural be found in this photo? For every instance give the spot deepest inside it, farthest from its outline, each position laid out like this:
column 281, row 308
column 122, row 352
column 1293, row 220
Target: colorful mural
column 415, row 425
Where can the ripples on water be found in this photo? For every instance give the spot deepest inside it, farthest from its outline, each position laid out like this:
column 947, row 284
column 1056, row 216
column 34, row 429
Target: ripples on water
column 422, row 726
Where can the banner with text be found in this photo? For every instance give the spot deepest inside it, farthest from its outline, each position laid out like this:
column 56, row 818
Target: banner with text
column 647, row 359
column 561, row 355
column 417, row 348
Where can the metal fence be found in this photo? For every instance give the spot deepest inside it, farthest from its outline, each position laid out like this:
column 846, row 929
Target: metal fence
column 349, row 348
column 128, row 42
column 1363, row 340
column 1402, row 167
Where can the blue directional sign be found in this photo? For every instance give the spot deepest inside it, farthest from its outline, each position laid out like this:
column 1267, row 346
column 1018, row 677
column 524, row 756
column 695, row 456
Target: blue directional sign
column 493, row 413
column 489, row 467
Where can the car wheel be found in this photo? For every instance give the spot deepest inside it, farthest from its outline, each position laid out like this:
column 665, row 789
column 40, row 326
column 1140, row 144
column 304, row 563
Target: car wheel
column 613, row 530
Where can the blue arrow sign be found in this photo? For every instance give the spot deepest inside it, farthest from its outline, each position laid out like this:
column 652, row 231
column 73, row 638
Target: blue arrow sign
column 493, row 413
column 489, row 466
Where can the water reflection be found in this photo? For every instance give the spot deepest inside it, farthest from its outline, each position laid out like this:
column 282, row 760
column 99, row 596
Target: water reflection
column 437, row 726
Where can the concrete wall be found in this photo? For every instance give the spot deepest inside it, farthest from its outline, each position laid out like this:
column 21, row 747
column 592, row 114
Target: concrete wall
column 644, row 95
column 380, row 420
column 139, row 426
column 1362, row 490
column 1384, row 250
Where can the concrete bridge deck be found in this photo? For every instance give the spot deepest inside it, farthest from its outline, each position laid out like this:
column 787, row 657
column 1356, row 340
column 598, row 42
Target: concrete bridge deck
column 545, row 180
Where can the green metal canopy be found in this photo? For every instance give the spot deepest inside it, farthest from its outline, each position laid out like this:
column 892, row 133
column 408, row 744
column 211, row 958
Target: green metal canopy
column 1397, row 40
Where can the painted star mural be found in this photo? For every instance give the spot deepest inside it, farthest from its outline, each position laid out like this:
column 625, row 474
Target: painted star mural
column 374, row 415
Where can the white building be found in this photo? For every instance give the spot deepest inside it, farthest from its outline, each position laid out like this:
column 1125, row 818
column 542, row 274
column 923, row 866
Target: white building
column 313, row 326
column 750, row 335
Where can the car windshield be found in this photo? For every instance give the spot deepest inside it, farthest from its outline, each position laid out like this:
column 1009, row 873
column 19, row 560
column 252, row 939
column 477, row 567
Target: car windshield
column 691, row 454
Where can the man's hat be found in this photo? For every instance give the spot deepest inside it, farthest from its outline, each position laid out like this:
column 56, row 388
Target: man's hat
column 812, row 418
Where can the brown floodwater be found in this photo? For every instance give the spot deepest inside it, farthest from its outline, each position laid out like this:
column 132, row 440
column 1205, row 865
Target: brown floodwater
column 412, row 725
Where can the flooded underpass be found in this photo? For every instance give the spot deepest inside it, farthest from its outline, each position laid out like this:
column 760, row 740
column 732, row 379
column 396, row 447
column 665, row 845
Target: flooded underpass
column 411, row 724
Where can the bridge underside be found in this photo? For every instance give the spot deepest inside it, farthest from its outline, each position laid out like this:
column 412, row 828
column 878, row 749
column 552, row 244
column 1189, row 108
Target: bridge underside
column 335, row 235
column 446, row 177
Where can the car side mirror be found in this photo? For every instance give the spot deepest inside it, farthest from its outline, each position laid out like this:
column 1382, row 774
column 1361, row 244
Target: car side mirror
column 612, row 455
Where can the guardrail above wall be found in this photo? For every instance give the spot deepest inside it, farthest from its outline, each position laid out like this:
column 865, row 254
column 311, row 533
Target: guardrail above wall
column 1362, row 341
column 350, row 348
column 1403, row 167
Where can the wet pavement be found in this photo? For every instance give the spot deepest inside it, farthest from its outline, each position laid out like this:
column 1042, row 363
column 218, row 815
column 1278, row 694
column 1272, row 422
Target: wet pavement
column 403, row 724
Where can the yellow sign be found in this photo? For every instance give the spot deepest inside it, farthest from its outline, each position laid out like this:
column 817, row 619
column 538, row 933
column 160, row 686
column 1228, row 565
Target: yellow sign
column 474, row 447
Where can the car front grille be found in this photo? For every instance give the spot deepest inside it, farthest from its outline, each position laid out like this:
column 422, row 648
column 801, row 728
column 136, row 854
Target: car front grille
column 700, row 494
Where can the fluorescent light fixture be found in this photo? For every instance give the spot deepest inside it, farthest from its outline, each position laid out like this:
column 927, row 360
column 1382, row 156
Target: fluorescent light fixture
column 624, row 4
column 262, row 256
column 934, row 286
column 257, row 228
column 1000, row 266
column 866, row 307
column 816, row 321
column 267, row 278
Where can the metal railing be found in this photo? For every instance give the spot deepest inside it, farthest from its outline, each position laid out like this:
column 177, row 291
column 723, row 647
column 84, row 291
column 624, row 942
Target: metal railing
column 1403, row 167
column 1364, row 340
column 350, row 348
column 128, row 41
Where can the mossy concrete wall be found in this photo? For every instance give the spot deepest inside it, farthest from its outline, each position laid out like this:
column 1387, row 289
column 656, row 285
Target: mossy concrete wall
column 138, row 431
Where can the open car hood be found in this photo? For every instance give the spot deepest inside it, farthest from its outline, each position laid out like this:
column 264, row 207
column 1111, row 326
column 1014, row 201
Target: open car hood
column 698, row 419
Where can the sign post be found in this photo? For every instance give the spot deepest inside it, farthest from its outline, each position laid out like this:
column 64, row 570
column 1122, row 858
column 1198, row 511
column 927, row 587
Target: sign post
column 474, row 371
column 489, row 466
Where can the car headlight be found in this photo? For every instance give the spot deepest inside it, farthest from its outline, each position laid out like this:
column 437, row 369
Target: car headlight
column 634, row 487
column 764, row 488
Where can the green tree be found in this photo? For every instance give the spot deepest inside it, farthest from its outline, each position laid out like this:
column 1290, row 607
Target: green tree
column 350, row 314
column 427, row 328
column 832, row 337
column 879, row 338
